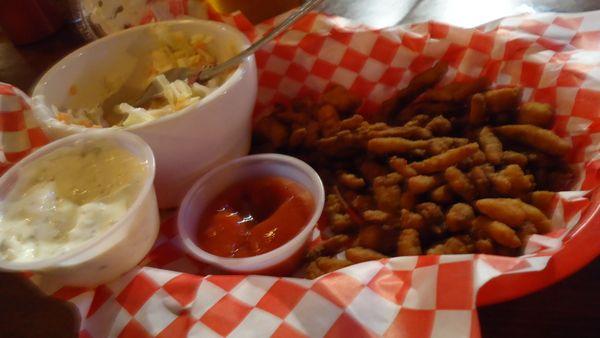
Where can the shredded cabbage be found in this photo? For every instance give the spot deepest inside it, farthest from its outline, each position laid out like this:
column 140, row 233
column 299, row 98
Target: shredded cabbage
column 176, row 50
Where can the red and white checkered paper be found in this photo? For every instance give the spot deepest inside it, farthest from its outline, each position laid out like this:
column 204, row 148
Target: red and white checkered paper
column 555, row 57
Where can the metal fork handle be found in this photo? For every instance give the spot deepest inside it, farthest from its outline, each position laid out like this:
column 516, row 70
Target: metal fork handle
column 273, row 33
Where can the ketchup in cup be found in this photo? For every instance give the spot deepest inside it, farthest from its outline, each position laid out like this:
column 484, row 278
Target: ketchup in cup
column 252, row 215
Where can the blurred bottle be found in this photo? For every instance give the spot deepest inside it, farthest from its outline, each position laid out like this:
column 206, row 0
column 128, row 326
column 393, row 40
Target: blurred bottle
column 26, row 21
column 255, row 10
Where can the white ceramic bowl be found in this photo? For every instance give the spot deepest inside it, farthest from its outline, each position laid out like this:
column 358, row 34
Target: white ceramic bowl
column 116, row 251
column 187, row 143
column 217, row 180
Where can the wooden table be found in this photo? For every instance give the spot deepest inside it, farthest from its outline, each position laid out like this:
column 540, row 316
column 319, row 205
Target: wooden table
column 570, row 308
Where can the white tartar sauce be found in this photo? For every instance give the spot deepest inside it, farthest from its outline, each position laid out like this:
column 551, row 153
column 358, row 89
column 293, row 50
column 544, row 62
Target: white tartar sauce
column 67, row 197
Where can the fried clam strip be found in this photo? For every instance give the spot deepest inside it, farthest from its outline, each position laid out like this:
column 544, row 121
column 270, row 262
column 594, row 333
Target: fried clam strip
column 329, row 247
column 543, row 200
column 512, row 181
column 419, row 84
column 514, row 212
column 338, row 218
column 409, row 243
column 341, row 99
column 375, row 216
column 421, row 183
column 455, row 91
column 459, row 217
column 409, row 132
column 442, row 161
column 351, row 181
column 329, row 120
column 503, row 99
column 387, row 191
column 323, row 265
column 452, row 246
column 477, row 112
column 513, row 157
column 491, row 145
column 536, row 113
column 394, row 145
column 460, row 183
column 401, row 166
column 535, row 137
column 498, row 231
column 359, row 255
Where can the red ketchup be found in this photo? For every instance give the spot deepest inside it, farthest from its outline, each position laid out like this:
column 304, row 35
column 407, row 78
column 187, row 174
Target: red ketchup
column 254, row 216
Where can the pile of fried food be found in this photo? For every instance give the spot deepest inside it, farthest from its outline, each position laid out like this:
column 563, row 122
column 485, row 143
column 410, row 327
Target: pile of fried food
column 451, row 169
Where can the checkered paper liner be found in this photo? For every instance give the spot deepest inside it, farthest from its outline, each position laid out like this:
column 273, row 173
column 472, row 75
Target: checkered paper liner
column 555, row 57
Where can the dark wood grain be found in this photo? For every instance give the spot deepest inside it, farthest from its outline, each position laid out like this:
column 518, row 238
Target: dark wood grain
column 570, row 308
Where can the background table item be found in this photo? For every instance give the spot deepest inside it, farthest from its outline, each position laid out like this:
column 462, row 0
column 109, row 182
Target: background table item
column 27, row 21
column 570, row 308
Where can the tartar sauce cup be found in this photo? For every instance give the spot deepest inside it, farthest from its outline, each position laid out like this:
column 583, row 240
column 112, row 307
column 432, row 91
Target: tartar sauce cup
column 106, row 256
column 280, row 260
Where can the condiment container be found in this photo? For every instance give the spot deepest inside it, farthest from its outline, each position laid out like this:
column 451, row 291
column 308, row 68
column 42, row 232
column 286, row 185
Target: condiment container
column 186, row 143
column 283, row 259
column 111, row 253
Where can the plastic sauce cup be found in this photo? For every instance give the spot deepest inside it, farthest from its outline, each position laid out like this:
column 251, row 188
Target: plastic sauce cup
column 283, row 259
column 114, row 252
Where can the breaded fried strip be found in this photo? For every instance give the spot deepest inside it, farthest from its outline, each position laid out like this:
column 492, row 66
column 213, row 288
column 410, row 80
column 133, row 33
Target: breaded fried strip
column 537, row 217
column 477, row 113
column 459, row 183
column 442, row 194
column 394, row 145
column 459, row 217
column 514, row 212
column 421, row 183
column 498, row 231
column 479, row 177
column 439, row 125
column 410, row 132
column 438, row 145
column 491, row 145
column 298, row 136
column 419, row 84
column 526, row 231
column 512, row 181
column 409, row 243
column 538, row 138
column 340, row 98
column 328, row 247
column 359, row 255
column 352, row 122
column 536, row 113
column 455, row 91
column 484, row 246
column 387, row 191
column 401, row 166
column 375, row 216
column 411, row 220
column 452, row 246
column 503, row 99
column 442, row 161
column 328, row 119
column 505, row 210
column 513, row 157
column 328, row 264
column 543, row 200
column 351, row 181
column 272, row 130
